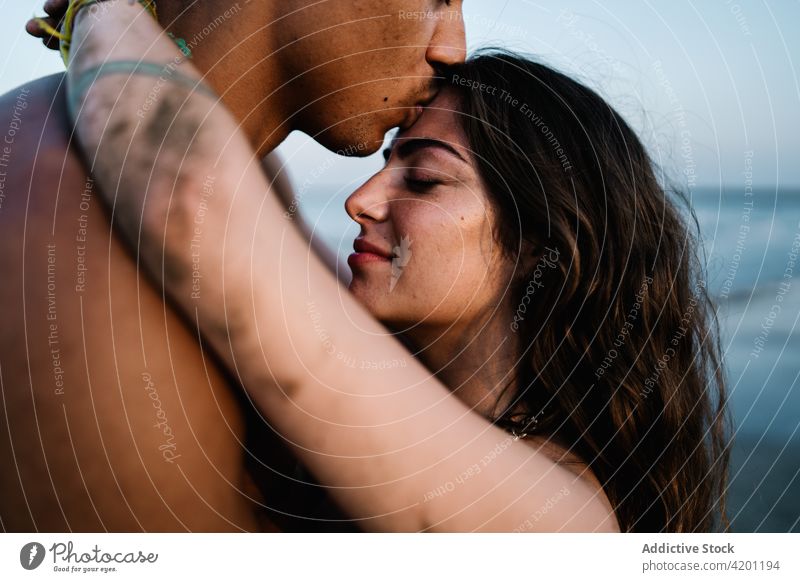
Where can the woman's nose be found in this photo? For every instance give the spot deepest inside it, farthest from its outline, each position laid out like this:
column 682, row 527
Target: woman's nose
column 370, row 203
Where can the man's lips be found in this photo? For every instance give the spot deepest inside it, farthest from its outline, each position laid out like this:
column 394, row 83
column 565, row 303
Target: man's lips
column 415, row 111
column 367, row 252
column 412, row 117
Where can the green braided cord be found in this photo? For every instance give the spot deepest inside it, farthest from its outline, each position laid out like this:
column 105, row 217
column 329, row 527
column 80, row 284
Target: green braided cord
column 187, row 52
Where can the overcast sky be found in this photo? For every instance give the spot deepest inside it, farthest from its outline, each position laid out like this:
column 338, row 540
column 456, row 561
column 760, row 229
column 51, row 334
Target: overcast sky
column 703, row 82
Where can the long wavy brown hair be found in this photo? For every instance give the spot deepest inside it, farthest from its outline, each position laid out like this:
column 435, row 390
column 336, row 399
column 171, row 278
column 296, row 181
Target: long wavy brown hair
column 620, row 338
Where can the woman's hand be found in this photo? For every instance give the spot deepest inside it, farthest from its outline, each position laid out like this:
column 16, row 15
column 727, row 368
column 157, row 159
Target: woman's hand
column 56, row 10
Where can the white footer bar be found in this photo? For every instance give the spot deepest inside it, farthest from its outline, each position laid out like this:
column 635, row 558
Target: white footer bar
column 401, row 557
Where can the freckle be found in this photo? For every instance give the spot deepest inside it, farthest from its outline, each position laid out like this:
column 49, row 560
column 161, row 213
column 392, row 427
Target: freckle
column 385, row 99
column 462, row 218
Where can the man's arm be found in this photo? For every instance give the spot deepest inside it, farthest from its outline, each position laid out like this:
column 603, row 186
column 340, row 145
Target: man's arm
column 111, row 415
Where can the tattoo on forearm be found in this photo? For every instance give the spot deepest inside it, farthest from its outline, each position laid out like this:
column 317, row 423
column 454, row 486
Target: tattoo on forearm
column 164, row 72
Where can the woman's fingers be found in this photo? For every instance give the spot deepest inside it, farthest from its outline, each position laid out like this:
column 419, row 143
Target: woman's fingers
column 56, row 8
column 34, row 28
column 52, row 43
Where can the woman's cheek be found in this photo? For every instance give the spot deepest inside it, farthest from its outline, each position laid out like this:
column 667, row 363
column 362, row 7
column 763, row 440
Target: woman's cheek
column 444, row 237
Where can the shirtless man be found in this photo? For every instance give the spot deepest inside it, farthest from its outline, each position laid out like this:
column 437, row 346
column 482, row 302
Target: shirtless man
column 113, row 416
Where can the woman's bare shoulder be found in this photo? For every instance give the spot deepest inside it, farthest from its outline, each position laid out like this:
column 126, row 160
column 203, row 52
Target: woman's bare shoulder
column 562, row 457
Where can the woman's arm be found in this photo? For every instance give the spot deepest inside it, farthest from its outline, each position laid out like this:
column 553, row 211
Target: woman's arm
column 272, row 164
column 394, row 446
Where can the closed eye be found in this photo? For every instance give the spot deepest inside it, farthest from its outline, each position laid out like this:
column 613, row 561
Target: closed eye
column 420, row 184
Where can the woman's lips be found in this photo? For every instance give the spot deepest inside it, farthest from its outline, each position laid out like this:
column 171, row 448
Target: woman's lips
column 366, row 253
column 360, row 259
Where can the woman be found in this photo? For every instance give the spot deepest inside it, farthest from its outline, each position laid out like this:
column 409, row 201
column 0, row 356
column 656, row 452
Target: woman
column 517, row 243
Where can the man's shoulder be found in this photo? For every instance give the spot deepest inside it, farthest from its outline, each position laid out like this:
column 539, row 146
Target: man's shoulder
column 38, row 103
column 37, row 159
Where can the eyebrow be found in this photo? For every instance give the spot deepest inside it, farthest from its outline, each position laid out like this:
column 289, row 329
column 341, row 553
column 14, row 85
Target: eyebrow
column 407, row 146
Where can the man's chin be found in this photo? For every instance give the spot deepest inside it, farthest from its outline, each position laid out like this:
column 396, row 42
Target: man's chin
column 354, row 141
column 360, row 149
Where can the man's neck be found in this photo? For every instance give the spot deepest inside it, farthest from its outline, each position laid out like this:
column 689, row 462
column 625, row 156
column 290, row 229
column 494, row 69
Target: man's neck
column 228, row 43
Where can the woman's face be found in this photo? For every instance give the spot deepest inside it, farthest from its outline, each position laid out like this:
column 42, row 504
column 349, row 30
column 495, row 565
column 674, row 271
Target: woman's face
column 427, row 253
